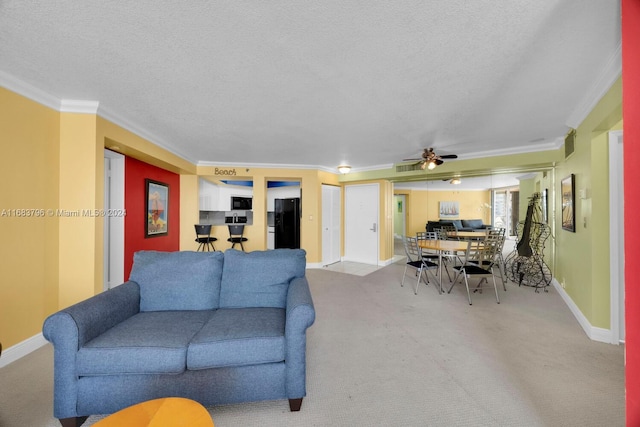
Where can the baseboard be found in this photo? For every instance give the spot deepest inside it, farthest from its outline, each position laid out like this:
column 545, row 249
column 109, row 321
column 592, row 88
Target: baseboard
column 21, row 349
column 594, row 333
column 384, row 263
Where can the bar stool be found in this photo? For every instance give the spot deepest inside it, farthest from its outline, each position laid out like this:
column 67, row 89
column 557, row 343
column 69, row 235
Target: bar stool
column 236, row 237
column 203, row 237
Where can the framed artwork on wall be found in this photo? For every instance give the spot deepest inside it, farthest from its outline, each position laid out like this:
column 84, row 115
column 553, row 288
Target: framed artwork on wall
column 568, row 190
column 156, row 214
column 449, row 209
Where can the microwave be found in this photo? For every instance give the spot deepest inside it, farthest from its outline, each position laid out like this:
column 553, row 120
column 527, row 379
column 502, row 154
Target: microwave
column 241, row 203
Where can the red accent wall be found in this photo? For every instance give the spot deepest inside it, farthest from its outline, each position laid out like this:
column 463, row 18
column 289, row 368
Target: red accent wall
column 135, row 173
column 631, row 127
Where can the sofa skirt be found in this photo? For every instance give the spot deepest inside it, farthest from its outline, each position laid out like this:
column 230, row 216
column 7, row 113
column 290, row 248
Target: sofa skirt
column 110, row 393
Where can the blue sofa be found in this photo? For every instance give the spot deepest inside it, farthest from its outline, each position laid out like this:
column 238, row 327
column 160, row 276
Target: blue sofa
column 214, row 327
column 459, row 224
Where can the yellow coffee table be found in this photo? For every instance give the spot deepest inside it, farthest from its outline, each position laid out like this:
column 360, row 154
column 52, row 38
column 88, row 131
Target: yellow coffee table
column 165, row 412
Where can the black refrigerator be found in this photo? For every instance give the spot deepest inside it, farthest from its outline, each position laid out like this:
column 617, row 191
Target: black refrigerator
column 286, row 223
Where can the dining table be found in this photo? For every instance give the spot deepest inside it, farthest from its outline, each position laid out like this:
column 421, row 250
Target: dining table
column 468, row 235
column 443, row 248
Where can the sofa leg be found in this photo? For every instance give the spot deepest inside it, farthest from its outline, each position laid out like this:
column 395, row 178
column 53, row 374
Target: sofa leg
column 295, row 404
column 73, row 422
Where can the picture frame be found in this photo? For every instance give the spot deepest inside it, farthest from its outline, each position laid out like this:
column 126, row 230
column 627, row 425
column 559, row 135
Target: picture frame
column 568, row 194
column 449, row 209
column 157, row 208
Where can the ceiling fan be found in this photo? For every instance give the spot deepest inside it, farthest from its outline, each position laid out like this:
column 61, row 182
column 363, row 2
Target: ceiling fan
column 430, row 159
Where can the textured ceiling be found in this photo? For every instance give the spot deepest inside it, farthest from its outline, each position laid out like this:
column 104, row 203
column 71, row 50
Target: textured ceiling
column 319, row 83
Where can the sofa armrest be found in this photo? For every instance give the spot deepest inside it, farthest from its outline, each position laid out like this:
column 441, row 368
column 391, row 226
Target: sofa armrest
column 300, row 315
column 71, row 328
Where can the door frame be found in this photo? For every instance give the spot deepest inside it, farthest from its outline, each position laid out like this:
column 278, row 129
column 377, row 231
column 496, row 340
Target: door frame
column 113, row 231
column 616, row 236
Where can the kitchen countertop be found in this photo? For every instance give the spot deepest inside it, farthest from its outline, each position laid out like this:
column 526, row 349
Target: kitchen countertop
column 226, row 217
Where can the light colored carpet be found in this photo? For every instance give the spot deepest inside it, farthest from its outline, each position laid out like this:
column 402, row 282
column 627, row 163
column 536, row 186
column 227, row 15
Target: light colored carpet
column 380, row 355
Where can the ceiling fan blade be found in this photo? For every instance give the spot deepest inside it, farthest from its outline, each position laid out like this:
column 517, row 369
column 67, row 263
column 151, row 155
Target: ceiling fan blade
column 449, row 156
column 439, row 162
column 408, row 160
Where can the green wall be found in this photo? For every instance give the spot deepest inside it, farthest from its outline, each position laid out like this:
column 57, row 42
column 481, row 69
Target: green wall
column 583, row 257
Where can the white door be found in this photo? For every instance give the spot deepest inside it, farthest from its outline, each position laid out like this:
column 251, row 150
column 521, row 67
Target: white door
column 330, row 224
column 113, row 266
column 361, row 223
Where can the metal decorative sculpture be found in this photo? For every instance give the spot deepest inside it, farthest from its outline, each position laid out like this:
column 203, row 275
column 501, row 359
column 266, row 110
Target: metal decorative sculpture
column 525, row 265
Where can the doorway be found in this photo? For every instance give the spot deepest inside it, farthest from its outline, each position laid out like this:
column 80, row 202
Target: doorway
column 362, row 207
column 505, row 209
column 113, row 232
column 399, row 216
column 283, row 214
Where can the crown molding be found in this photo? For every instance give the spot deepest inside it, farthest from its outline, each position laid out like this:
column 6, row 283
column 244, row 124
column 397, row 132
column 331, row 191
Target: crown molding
column 83, row 107
column 554, row 144
column 608, row 76
column 290, row 166
column 141, row 132
column 29, row 91
column 79, row 106
column 265, row 166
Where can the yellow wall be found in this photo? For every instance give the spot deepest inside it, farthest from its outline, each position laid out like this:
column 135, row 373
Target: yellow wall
column 423, row 206
column 52, row 167
column 80, row 239
column 29, row 171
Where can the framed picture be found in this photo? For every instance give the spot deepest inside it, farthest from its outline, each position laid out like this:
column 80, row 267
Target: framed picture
column 568, row 190
column 449, row 209
column 157, row 214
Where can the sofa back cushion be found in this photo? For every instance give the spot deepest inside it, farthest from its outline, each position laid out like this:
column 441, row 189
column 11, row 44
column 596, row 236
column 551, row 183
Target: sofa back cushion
column 472, row 223
column 178, row 280
column 432, row 225
column 259, row 278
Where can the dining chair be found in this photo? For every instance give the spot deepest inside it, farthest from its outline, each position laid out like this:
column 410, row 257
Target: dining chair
column 479, row 261
column 497, row 236
column 204, row 238
column 416, row 261
column 432, row 256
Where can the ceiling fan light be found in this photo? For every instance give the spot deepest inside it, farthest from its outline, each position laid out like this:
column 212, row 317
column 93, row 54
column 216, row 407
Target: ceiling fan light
column 456, row 181
column 431, row 165
column 344, row 169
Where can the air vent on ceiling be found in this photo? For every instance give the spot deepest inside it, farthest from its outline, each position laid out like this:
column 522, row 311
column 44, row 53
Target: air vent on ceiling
column 408, row 168
column 569, row 143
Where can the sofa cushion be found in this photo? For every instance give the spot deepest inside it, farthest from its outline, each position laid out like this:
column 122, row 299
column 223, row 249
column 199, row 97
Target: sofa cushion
column 177, row 280
column 473, row 223
column 259, row 278
column 239, row 336
column 146, row 343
